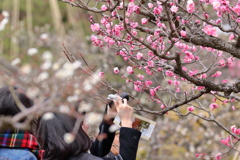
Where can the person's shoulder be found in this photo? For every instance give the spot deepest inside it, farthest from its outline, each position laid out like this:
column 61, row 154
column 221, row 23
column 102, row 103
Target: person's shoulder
column 20, row 154
column 85, row 156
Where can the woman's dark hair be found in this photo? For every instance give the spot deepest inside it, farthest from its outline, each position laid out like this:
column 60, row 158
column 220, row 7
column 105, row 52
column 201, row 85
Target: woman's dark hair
column 50, row 135
column 8, row 106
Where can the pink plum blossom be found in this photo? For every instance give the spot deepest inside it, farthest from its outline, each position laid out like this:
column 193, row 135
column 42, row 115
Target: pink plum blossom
column 104, row 8
column 139, row 56
column 233, row 108
column 217, row 74
column 95, row 27
column 101, row 74
column 213, row 106
column 148, row 83
column 169, row 73
column 116, row 70
column 152, row 92
column 190, row 109
column 144, row 20
column 190, row 6
column 222, row 63
column 130, row 70
column 157, row 10
column 140, row 76
column 183, row 33
column 231, row 37
column 210, row 30
column 150, row 5
column 150, row 64
column 218, row 156
column 174, row 9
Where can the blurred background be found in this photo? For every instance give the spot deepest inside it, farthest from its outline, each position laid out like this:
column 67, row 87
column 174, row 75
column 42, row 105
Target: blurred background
column 33, row 35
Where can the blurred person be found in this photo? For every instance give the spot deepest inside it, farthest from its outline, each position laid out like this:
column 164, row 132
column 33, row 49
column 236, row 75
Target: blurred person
column 50, row 134
column 16, row 144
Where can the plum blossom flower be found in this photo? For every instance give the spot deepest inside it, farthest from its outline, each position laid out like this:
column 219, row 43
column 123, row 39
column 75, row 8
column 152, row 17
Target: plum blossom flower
column 174, row 9
column 237, row 9
column 190, row 109
column 139, row 56
column 95, row 27
column 157, row 10
column 130, row 70
column 210, row 30
column 152, row 92
column 217, row 74
column 213, row 106
column 116, row 70
column 216, row 4
column 190, row 6
column 148, row 83
column 222, row 63
column 183, row 33
column 150, row 64
column 140, row 76
column 32, row 51
column 231, row 37
column 101, row 74
column 150, row 5
column 104, row 8
column 144, row 20
column 169, row 73
column 218, row 156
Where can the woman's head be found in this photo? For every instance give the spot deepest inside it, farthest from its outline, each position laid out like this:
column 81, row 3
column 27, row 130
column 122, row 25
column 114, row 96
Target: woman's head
column 8, row 105
column 50, row 135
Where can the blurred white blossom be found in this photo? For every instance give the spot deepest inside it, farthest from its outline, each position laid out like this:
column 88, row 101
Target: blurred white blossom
column 32, row 92
column 5, row 20
column 46, row 65
column 94, row 118
column 16, row 61
column 32, row 51
column 73, row 98
column 67, row 70
column 47, row 56
column 84, row 107
column 42, row 76
column 48, row 116
column 44, row 36
column 64, row 109
column 26, row 69
column 69, row 138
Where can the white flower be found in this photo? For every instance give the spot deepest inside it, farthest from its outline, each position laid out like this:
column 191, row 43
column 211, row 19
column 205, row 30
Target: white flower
column 32, row 51
column 84, row 107
column 46, row 65
column 48, row 116
column 69, row 138
column 33, row 92
column 94, row 118
column 44, row 36
column 47, row 56
column 43, row 76
column 16, row 61
column 64, row 109
column 73, row 98
column 26, row 69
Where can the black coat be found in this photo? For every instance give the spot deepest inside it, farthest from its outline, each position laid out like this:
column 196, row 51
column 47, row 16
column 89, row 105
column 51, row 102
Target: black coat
column 129, row 139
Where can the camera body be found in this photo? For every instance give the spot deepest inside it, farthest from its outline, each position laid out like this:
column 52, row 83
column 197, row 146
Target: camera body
column 112, row 97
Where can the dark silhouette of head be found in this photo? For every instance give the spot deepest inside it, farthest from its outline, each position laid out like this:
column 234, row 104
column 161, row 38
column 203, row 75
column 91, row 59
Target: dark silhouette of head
column 8, row 105
column 50, row 135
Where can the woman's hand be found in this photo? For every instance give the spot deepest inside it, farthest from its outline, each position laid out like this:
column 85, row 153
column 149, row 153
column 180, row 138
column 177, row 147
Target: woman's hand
column 125, row 112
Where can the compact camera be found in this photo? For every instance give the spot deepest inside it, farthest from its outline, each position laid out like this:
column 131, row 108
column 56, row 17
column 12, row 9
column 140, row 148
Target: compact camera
column 112, row 97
